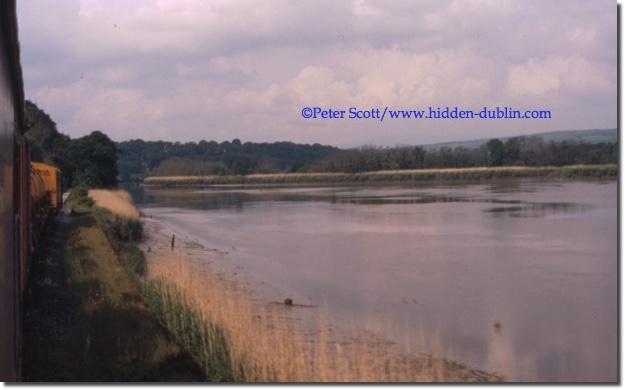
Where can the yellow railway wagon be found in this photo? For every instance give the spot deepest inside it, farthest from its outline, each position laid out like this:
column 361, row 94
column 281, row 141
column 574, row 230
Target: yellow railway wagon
column 51, row 177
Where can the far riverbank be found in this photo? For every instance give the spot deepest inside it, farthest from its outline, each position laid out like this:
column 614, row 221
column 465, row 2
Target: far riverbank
column 408, row 175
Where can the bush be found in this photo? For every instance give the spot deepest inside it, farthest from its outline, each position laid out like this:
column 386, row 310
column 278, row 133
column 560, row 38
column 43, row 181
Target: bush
column 119, row 228
column 79, row 202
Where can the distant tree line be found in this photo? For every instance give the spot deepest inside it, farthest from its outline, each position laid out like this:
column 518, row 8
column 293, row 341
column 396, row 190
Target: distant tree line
column 141, row 158
column 522, row 151
column 138, row 158
column 90, row 160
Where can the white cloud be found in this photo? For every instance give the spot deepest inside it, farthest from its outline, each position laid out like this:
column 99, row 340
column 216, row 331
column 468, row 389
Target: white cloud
column 557, row 74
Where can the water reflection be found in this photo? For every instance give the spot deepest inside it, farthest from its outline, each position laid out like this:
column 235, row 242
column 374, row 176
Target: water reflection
column 238, row 198
column 540, row 210
column 537, row 258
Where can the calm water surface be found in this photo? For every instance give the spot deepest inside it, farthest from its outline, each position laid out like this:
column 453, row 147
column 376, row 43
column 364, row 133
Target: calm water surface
column 517, row 277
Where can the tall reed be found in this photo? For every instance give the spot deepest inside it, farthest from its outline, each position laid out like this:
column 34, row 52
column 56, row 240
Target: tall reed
column 235, row 338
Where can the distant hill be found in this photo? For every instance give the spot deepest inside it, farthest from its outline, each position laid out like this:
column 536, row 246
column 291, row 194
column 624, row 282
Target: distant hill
column 590, row 136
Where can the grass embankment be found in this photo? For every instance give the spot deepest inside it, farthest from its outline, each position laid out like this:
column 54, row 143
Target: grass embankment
column 85, row 319
column 409, row 175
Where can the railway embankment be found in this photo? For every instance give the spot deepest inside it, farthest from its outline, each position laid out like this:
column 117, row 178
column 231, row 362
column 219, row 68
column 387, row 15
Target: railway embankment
column 84, row 315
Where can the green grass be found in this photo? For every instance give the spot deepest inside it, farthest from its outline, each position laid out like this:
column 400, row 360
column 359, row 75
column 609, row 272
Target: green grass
column 86, row 320
column 411, row 175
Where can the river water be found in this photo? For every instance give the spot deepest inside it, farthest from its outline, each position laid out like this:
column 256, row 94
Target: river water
column 518, row 277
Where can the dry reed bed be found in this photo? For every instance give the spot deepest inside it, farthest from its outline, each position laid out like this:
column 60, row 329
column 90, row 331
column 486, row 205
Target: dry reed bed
column 118, row 202
column 475, row 173
column 247, row 341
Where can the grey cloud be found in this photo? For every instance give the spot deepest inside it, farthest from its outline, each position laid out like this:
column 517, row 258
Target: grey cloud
column 192, row 70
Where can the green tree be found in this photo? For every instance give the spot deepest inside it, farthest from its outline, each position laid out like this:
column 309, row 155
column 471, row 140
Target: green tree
column 496, row 152
column 95, row 160
column 512, row 151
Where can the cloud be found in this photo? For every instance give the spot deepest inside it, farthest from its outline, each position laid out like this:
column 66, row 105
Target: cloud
column 555, row 74
column 191, row 70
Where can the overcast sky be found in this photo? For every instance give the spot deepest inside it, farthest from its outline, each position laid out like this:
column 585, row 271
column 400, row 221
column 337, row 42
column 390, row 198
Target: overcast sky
column 189, row 70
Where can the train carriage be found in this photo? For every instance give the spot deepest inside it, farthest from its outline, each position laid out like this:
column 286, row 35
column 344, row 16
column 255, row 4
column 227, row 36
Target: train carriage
column 11, row 127
column 51, row 177
column 30, row 192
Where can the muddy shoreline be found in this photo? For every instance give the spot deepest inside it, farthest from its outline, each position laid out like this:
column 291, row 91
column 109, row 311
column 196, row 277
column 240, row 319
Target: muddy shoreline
column 303, row 319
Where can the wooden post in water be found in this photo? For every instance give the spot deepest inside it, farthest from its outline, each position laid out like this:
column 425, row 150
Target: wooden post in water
column 173, row 241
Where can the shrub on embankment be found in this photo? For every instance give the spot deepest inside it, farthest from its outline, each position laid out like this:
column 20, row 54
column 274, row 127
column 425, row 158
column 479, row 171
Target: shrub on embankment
column 118, row 217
